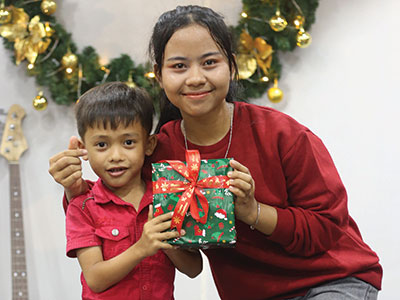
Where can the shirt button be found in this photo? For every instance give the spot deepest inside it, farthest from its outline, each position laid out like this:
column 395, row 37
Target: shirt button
column 115, row 232
column 144, row 287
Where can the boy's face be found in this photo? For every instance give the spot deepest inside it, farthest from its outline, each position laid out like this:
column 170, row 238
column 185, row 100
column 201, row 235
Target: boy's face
column 117, row 156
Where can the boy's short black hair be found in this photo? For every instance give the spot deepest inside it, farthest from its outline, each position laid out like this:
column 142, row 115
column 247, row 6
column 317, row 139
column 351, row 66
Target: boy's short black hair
column 112, row 104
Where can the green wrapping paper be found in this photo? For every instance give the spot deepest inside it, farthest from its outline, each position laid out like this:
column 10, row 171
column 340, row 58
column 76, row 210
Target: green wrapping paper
column 215, row 228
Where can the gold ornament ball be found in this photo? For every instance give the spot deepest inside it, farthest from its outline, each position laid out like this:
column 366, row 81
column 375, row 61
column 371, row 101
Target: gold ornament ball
column 48, row 7
column 40, row 102
column 5, row 15
column 298, row 21
column 69, row 60
column 303, row 39
column 275, row 94
column 278, row 22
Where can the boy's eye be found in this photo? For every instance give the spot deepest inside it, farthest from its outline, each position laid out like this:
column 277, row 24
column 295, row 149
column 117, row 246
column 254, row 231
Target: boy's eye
column 101, row 144
column 129, row 142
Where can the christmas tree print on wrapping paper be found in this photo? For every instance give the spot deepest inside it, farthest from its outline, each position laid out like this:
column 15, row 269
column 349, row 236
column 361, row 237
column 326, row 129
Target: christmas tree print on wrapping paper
column 217, row 229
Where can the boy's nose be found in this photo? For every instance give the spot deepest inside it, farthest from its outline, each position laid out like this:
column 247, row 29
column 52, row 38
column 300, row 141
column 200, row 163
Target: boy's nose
column 115, row 154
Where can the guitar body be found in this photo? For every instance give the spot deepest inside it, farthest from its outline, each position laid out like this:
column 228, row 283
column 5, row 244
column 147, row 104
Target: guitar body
column 13, row 144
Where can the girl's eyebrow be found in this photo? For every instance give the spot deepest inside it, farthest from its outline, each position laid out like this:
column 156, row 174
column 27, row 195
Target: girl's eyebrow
column 201, row 57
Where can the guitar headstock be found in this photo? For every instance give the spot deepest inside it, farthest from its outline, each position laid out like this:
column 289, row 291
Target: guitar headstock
column 13, row 142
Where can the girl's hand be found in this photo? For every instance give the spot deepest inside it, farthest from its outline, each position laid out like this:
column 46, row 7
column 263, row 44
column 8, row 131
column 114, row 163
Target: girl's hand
column 154, row 233
column 66, row 169
column 242, row 186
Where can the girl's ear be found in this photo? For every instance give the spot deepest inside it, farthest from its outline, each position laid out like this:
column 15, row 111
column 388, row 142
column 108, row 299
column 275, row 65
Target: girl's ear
column 81, row 145
column 157, row 72
column 233, row 71
column 151, row 144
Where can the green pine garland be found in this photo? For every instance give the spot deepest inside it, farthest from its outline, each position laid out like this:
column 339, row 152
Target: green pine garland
column 66, row 90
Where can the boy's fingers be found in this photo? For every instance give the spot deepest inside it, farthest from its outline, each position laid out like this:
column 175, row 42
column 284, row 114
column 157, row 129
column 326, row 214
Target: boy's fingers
column 150, row 215
column 73, row 143
column 67, row 154
column 168, row 235
column 164, row 217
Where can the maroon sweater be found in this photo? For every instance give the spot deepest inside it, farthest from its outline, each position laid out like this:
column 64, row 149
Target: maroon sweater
column 315, row 239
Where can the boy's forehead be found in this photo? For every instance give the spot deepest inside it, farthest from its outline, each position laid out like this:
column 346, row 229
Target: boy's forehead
column 107, row 127
column 116, row 125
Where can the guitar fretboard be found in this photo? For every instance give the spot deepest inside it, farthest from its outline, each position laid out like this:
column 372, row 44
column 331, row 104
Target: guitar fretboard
column 18, row 260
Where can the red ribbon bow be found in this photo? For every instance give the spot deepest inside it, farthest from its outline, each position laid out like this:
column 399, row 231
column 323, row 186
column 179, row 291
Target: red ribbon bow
column 190, row 188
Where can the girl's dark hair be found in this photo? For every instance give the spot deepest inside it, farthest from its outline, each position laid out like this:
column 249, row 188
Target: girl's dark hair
column 112, row 104
column 183, row 16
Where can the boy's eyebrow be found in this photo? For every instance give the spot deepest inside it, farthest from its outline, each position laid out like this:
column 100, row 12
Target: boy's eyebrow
column 201, row 57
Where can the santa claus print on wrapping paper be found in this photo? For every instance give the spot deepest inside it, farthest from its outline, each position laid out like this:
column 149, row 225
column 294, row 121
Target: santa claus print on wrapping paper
column 221, row 214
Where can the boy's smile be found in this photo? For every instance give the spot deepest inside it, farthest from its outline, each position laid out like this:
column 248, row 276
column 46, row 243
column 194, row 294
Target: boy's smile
column 117, row 155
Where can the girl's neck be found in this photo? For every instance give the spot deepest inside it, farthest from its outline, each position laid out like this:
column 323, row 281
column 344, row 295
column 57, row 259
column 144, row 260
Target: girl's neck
column 209, row 129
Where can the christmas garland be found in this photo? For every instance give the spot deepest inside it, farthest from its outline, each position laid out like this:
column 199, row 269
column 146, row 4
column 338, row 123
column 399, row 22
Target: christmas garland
column 32, row 33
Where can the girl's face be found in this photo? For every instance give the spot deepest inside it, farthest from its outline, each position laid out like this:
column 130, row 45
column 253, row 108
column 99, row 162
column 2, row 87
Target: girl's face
column 195, row 74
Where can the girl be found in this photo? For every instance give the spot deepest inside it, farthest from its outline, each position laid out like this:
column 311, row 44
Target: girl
column 295, row 238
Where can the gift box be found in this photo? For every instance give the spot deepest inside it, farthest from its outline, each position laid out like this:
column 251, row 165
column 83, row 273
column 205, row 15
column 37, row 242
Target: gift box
column 197, row 192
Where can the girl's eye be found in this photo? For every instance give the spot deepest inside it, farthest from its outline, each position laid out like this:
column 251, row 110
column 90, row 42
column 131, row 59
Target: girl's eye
column 209, row 62
column 179, row 66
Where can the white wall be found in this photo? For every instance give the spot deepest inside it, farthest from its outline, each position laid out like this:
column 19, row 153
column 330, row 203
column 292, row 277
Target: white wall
column 344, row 87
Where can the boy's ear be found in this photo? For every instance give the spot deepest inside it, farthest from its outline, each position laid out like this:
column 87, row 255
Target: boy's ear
column 81, row 145
column 151, row 144
column 157, row 72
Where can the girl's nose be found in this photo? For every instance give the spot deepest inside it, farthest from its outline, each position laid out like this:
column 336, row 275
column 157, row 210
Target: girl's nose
column 195, row 76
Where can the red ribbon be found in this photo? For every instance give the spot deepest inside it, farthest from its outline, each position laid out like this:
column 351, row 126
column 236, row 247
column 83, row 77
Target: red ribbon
column 190, row 189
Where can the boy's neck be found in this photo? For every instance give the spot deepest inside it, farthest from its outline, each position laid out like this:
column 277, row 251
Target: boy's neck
column 132, row 194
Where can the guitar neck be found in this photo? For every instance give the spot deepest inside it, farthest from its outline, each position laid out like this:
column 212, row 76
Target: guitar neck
column 18, row 259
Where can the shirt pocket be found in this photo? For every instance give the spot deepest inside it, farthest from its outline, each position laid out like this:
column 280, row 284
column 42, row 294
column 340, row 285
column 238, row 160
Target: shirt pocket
column 115, row 239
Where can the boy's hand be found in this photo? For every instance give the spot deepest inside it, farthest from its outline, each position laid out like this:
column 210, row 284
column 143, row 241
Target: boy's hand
column 154, row 233
column 242, row 186
column 66, row 169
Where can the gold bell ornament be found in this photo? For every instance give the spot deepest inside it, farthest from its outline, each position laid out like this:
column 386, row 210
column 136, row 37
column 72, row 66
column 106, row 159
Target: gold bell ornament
column 48, row 7
column 303, row 38
column 40, row 102
column 5, row 14
column 275, row 94
column 130, row 82
column 278, row 22
column 69, row 60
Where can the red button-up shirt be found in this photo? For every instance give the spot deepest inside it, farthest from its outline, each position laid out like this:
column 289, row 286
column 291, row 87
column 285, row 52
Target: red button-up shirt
column 99, row 218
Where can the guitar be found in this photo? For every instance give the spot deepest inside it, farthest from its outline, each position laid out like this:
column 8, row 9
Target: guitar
column 13, row 145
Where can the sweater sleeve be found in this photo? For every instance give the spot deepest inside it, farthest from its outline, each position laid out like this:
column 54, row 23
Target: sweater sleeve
column 317, row 212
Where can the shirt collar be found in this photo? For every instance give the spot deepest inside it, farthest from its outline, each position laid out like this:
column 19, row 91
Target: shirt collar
column 103, row 195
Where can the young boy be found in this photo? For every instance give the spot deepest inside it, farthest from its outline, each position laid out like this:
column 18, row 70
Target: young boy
column 110, row 228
